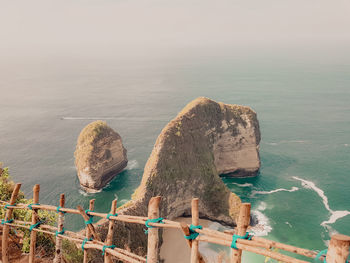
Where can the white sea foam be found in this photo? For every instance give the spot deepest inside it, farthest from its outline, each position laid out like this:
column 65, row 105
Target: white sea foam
column 82, row 192
column 243, row 185
column 346, row 145
column 335, row 215
column 90, row 118
column 272, row 143
column 287, row 223
column 293, row 189
column 284, row 141
column 133, row 164
column 262, row 206
column 263, row 227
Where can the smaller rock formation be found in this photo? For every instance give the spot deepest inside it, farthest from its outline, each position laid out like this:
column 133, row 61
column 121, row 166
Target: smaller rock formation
column 99, row 156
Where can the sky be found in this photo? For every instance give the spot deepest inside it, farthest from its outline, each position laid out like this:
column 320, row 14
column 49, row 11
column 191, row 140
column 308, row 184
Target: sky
column 118, row 26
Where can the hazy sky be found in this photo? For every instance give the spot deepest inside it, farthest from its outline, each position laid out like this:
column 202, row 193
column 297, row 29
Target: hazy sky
column 91, row 25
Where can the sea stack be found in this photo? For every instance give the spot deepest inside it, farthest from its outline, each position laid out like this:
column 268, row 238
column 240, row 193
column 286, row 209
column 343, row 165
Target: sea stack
column 99, row 156
column 206, row 139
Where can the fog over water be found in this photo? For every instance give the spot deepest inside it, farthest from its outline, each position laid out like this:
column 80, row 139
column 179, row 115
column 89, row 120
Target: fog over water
column 96, row 27
column 136, row 64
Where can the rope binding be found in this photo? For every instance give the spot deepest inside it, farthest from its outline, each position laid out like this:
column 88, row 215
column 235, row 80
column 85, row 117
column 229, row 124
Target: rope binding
column 236, row 237
column 155, row 220
column 193, row 234
column 104, row 248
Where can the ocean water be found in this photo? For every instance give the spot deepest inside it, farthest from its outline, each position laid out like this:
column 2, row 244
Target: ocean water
column 302, row 193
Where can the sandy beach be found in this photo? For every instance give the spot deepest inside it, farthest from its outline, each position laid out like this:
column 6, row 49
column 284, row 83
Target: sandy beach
column 175, row 249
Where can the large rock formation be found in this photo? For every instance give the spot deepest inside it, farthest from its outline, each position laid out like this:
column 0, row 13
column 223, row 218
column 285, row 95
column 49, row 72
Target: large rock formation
column 206, row 139
column 99, row 156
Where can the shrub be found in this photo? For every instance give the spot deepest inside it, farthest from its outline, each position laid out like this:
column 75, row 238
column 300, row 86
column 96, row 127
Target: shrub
column 44, row 241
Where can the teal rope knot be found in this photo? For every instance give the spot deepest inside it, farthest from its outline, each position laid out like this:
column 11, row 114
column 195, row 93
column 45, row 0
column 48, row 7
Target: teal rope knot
column 30, row 206
column 321, row 253
column 193, row 234
column 59, row 211
column 236, row 237
column 84, row 241
column 104, row 248
column 90, row 221
column 156, row 220
column 3, row 221
column 35, row 226
column 109, row 215
column 59, row 232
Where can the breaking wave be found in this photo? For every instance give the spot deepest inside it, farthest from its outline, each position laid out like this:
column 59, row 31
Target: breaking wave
column 133, row 164
column 91, row 118
column 263, row 228
column 293, row 189
column 243, row 185
column 335, row 215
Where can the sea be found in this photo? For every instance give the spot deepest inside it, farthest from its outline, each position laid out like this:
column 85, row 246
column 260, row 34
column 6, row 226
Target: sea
column 302, row 193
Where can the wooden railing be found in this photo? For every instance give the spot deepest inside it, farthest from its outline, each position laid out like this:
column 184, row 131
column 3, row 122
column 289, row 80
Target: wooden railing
column 338, row 250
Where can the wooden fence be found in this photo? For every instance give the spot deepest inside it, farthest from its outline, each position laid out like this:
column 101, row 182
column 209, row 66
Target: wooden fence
column 238, row 239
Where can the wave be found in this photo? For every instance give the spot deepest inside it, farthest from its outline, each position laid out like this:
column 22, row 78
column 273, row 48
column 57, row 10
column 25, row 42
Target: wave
column 285, row 141
column 133, row 164
column 272, row 143
column 262, row 206
column 335, row 215
column 243, row 185
column 289, row 224
column 293, row 189
column 82, row 192
column 263, row 228
column 91, row 118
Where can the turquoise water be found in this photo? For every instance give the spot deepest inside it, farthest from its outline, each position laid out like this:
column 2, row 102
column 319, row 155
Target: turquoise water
column 302, row 105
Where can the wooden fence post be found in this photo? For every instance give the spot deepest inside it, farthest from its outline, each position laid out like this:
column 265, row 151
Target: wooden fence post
column 152, row 246
column 88, row 232
column 6, row 228
column 35, row 216
column 338, row 250
column 242, row 225
column 195, row 222
column 60, row 223
column 186, row 231
column 109, row 238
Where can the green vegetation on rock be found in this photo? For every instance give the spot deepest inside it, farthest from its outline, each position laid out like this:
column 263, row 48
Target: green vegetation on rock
column 45, row 242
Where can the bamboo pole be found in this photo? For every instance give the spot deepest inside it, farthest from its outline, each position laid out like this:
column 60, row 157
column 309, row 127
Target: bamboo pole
column 195, row 222
column 79, row 239
column 260, row 251
column 109, row 239
column 90, row 226
column 60, row 223
column 33, row 234
column 6, row 228
column 114, row 253
column 289, row 248
column 338, row 250
column 242, row 225
column 88, row 231
column 122, row 218
column 152, row 246
column 220, row 235
column 186, row 231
